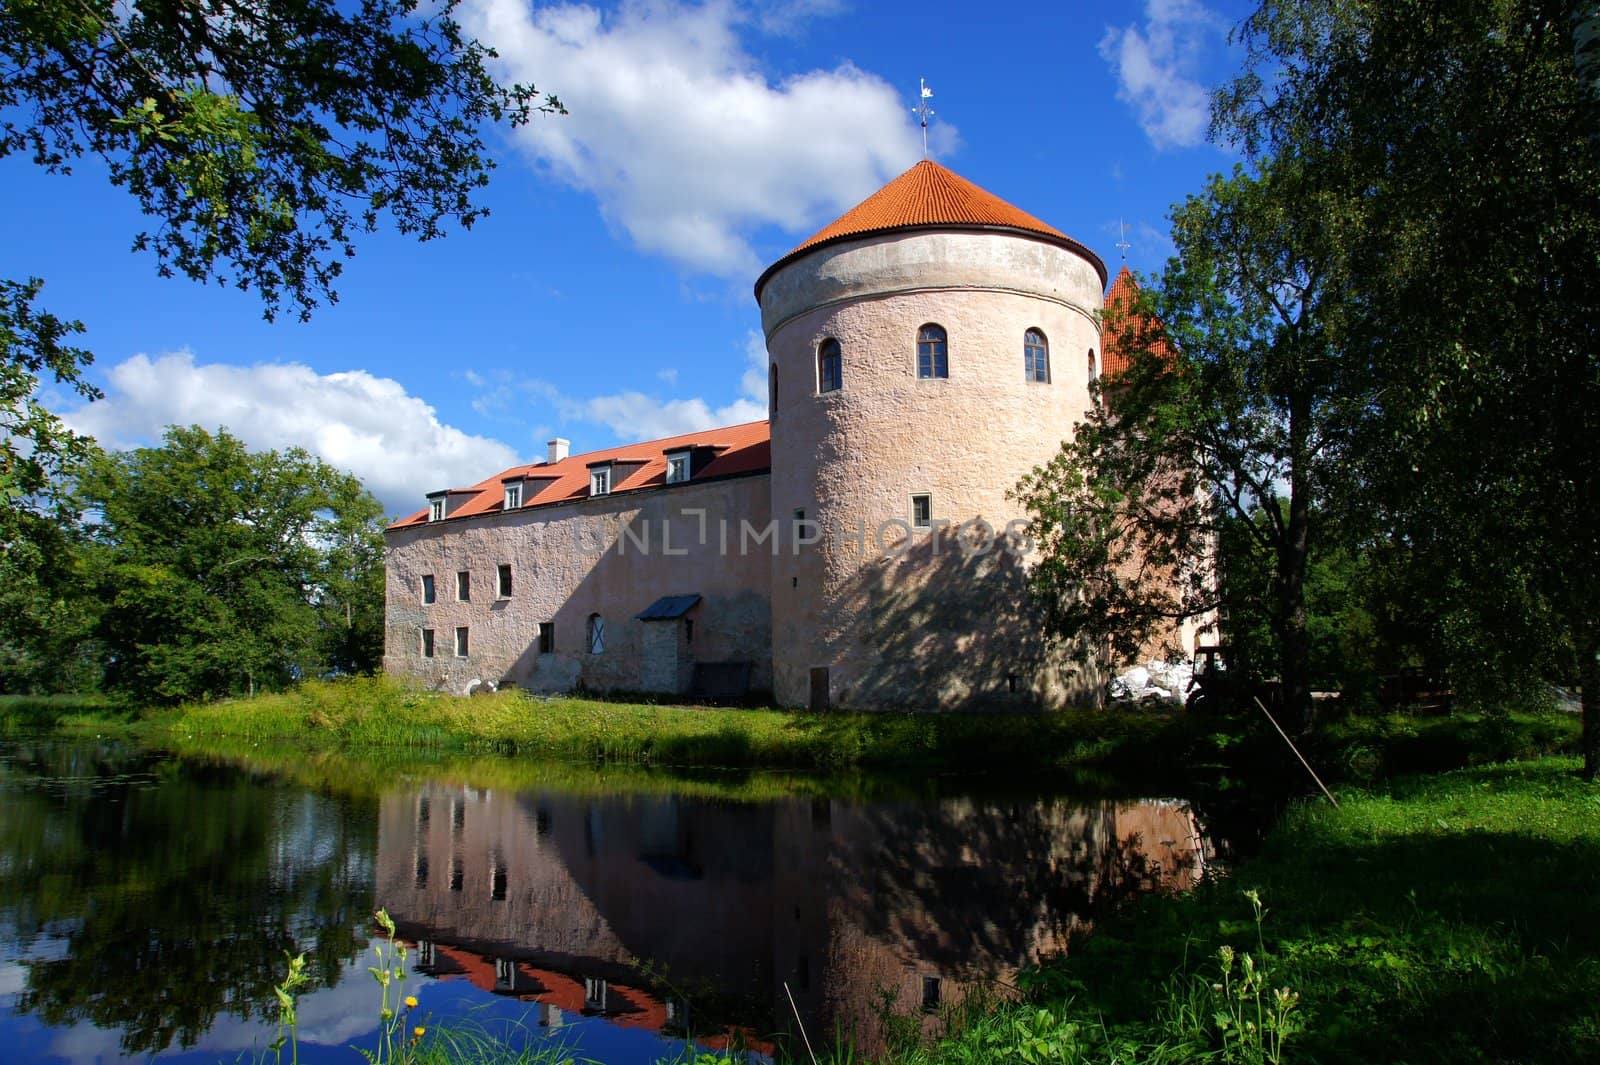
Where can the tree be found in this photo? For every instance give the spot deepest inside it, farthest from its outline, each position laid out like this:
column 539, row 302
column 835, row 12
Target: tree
column 40, row 617
column 218, row 566
column 1459, row 141
column 262, row 137
column 350, row 594
column 1226, row 431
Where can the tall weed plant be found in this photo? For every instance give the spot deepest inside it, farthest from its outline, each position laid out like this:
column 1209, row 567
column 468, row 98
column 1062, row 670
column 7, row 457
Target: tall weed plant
column 406, row 1037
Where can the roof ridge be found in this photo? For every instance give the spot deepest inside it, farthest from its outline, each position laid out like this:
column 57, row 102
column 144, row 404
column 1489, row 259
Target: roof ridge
column 744, row 450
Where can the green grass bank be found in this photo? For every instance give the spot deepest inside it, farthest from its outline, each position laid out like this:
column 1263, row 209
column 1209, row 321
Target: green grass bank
column 1446, row 918
column 374, row 714
column 1155, row 752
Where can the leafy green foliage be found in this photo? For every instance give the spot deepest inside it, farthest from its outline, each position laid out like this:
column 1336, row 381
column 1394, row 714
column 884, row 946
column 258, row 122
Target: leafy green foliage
column 1226, row 432
column 1456, row 147
column 223, row 570
column 42, row 620
column 263, row 137
column 36, row 450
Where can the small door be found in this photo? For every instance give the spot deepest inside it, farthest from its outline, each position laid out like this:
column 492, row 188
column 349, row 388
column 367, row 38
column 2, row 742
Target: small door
column 819, row 687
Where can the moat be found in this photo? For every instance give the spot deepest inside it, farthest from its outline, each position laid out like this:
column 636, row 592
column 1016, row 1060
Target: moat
column 146, row 902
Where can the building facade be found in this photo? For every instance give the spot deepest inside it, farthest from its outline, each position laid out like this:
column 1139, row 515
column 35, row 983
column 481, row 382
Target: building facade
column 859, row 548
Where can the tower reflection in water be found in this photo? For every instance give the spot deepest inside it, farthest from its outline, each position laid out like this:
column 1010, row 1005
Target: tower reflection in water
column 699, row 918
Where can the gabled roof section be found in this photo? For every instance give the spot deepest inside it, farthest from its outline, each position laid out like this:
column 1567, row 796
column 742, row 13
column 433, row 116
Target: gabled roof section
column 1114, row 358
column 929, row 196
column 739, row 450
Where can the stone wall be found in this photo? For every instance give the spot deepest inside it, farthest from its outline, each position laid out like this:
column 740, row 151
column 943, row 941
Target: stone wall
column 610, row 556
column 933, row 627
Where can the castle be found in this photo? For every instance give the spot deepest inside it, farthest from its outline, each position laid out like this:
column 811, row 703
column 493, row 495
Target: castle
column 857, row 549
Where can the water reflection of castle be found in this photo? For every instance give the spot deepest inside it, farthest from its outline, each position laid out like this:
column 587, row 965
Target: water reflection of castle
column 561, row 900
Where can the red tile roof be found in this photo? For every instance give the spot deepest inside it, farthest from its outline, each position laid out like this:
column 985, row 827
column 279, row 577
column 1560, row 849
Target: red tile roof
column 928, row 196
column 740, row 450
column 1117, row 334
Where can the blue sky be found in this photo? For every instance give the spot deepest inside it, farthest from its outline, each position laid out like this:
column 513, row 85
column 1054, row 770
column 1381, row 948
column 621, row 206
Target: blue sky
column 608, row 296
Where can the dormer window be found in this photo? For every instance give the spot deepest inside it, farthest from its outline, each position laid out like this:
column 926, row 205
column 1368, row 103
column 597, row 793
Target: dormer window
column 677, row 467
column 513, row 496
column 436, row 509
column 600, row 481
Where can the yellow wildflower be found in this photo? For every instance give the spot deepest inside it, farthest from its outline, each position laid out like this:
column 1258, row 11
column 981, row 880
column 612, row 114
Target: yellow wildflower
column 411, row 1002
column 418, row 1030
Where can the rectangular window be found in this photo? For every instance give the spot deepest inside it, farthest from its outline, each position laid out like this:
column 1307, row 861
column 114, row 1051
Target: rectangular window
column 513, row 496
column 461, row 641
column 921, row 512
column 597, row 634
column 594, row 993
column 547, row 637
column 830, row 367
column 600, row 482
column 688, row 630
column 427, row 643
column 933, row 358
column 677, row 467
column 464, row 586
column 504, row 577
column 428, row 596
column 435, row 510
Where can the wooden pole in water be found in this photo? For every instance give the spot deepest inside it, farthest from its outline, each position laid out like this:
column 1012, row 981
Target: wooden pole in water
column 1296, row 750
column 800, row 1024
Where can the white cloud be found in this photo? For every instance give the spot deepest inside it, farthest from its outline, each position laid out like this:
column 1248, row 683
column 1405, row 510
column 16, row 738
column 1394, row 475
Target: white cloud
column 367, row 425
column 637, row 416
column 1156, row 69
column 688, row 146
column 787, row 18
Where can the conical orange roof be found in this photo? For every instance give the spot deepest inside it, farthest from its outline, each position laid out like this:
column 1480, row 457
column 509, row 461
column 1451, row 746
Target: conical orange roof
column 929, row 196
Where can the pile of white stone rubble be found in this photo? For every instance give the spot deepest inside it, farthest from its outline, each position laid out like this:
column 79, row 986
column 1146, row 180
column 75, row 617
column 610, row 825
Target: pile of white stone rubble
column 1153, row 682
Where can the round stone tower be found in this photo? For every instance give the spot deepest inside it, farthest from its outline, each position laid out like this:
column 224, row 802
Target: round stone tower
column 927, row 350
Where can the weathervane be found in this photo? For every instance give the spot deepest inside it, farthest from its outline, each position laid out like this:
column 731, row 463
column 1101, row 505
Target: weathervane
column 1123, row 243
column 924, row 112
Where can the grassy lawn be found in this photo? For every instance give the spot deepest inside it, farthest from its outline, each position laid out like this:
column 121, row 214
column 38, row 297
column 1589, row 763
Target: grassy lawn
column 1114, row 750
column 1447, row 918
column 376, row 714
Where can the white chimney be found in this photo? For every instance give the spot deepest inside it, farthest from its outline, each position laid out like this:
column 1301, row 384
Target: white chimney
column 557, row 450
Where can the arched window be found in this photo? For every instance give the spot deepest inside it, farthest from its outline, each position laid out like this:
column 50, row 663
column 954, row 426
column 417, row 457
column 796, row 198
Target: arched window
column 830, row 366
column 932, row 352
column 772, row 391
column 1035, row 357
column 1093, row 370
column 597, row 634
